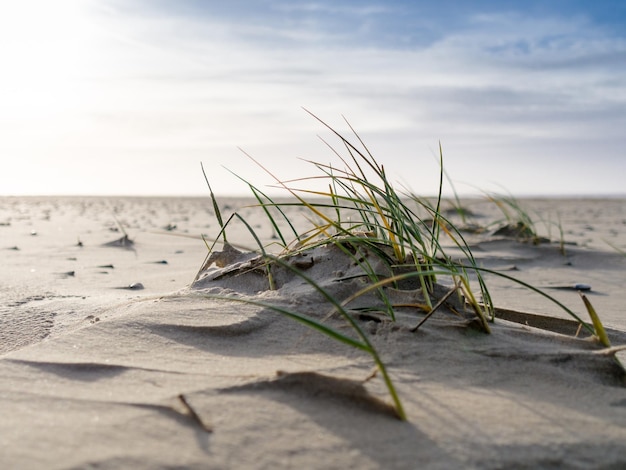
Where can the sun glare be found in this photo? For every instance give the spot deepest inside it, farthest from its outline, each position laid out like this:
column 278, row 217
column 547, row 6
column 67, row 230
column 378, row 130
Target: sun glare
column 43, row 46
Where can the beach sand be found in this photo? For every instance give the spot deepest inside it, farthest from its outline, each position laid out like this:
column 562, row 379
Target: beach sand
column 112, row 357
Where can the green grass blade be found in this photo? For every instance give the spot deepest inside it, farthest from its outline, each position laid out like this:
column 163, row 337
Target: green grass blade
column 436, row 225
column 597, row 324
column 216, row 207
column 261, row 198
column 536, row 290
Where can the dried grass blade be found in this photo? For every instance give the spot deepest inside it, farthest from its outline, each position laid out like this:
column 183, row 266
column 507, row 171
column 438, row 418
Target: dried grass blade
column 436, row 306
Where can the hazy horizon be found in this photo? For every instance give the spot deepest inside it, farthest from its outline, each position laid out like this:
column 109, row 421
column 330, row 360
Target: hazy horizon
column 112, row 97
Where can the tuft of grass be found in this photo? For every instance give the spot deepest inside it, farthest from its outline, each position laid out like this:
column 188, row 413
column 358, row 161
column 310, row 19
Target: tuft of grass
column 519, row 222
column 362, row 214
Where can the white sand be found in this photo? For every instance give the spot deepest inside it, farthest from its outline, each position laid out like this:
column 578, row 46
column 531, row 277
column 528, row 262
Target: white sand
column 91, row 373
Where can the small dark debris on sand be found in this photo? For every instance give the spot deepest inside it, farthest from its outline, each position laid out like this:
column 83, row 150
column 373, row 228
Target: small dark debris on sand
column 123, row 242
column 67, row 274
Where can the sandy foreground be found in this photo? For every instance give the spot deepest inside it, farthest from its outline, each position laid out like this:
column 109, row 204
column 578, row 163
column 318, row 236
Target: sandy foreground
column 97, row 373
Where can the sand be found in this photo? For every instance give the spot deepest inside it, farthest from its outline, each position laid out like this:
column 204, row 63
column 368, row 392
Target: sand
column 96, row 374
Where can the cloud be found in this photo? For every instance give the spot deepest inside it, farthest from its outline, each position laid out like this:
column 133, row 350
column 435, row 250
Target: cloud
column 182, row 80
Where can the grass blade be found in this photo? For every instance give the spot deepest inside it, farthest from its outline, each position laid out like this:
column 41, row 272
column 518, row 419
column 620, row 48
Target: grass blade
column 597, row 324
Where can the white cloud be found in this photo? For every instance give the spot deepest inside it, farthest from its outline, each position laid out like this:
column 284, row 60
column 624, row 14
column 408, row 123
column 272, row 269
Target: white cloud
column 173, row 89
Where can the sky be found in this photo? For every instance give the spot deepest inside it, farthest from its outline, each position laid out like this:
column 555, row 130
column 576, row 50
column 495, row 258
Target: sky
column 129, row 97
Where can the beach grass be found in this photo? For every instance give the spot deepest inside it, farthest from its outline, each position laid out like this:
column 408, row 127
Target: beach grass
column 519, row 223
column 361, row 212
column 518, row 220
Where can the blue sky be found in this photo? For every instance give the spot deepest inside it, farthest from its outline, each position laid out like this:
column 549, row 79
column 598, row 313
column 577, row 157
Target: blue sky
column 129, row 96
